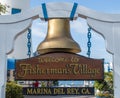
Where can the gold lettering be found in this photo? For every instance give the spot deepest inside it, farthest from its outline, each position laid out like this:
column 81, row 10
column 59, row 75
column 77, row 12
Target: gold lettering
column 52, row 59
column 29, row 91
column 34, row 91
column 39, row 91
column 25, row 68
column 68, row 69
column 72, row 91
column 57, row 71
column 75, row 69
column 46, row 91
column 59, row 91
column 85, row 91
column 74, row 59
column 77, row 91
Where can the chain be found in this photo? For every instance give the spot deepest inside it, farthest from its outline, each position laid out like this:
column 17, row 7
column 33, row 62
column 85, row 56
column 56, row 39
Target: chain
column 89, row 43
column 29, row 42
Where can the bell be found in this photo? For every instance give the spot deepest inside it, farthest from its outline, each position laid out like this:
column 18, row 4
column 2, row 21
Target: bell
column 58, row 38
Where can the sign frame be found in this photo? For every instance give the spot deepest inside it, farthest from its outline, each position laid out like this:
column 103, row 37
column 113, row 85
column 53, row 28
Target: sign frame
column 60, row 66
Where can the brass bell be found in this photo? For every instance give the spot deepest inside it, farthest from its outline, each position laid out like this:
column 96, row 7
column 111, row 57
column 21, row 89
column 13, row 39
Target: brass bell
column 58, row 38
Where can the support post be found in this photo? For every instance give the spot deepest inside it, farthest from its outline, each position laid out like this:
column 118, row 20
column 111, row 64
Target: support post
column 3, row 68
column 7, row 38
column 111, row 33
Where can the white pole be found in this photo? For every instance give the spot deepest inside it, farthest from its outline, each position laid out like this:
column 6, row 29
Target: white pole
column 3, row 67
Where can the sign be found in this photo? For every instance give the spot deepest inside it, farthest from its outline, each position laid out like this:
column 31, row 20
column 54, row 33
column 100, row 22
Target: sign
column 58, row 91
column 59, row 66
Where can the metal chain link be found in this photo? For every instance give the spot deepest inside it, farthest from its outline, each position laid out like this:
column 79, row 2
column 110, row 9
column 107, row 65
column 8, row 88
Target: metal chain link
column 29, row 42
column 89, row 42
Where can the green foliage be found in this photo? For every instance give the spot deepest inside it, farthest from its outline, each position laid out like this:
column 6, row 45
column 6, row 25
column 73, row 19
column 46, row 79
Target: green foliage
column 105, row 95
column 55, row 83
column 43, row 84
column 13, row 90
column 105, row 85
column 2, row 8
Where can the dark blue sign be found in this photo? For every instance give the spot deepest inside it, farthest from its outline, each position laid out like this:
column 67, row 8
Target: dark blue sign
column 81, row 91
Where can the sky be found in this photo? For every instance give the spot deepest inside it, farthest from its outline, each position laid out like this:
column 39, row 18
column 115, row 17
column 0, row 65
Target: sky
column 79, row 27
